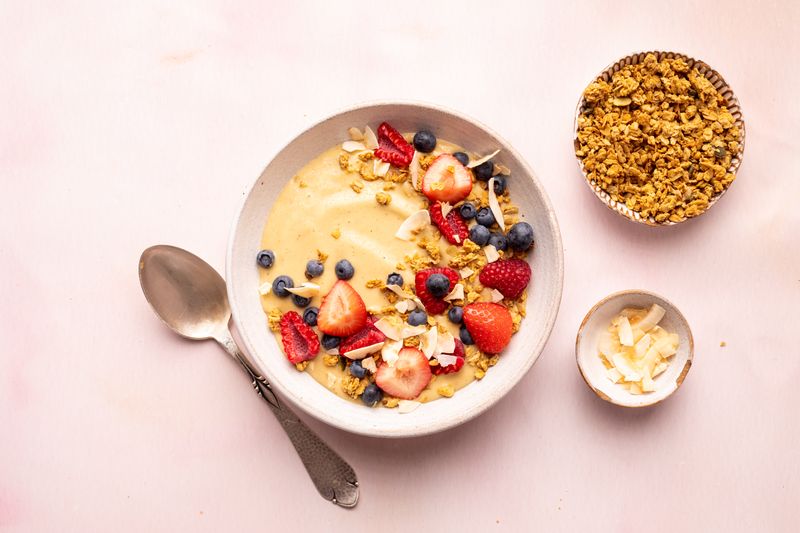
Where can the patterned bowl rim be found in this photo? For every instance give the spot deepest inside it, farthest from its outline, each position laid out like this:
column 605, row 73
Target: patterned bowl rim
column 719, row 84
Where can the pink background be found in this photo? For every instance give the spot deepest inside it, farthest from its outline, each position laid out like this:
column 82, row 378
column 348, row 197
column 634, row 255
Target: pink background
column 143, row 122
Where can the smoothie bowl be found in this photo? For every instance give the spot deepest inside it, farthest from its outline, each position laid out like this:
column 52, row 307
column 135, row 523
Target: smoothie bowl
column 395, row 270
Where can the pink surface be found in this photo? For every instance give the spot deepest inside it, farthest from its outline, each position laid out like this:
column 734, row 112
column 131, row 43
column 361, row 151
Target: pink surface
column 128, row 125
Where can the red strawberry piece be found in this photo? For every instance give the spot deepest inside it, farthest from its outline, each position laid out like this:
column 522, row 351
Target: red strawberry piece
column 433, row 305
column 447, row 180
column 368, row 336
column 453, row 226
column 407, row 377
column 300, row 343
column 509, row 276
column 342, row 312
column 489, row 324
column 455, row 367
column 392, row 147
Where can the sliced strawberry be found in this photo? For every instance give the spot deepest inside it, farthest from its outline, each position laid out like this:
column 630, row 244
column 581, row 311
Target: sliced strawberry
column 489, row 324
column 392, row 147
column 342, row 312
column 433, row 305
column 368, row 336
column 447, row 180
column 509, row 276
column 455, row 367
column 300, row 343
column 409, row 375
column 452, row 226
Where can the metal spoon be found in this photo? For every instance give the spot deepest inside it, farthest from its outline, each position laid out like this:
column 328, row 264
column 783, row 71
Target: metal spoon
column 189, row 296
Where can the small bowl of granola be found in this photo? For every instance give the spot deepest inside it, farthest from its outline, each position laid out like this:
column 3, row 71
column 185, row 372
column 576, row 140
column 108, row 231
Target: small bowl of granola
column 395, row 270
column 659, row 137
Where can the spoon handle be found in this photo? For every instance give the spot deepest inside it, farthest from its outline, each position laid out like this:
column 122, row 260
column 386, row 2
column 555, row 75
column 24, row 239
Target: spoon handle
column 335, row 480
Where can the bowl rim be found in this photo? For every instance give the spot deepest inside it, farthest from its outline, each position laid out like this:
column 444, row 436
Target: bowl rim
column 722, row 87
column 297, row 400
column 686, row 367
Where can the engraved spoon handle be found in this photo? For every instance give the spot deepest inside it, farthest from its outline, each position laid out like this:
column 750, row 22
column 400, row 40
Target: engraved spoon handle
column 335, row 480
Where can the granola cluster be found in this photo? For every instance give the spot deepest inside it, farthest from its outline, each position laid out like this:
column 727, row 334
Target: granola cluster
column 658, row 138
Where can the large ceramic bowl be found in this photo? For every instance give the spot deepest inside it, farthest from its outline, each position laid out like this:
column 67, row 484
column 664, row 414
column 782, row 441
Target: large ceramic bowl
column 301, row 389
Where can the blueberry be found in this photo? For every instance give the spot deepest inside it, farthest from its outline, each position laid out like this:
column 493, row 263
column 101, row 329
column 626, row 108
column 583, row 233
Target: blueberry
column 344, row 269
column 456, row 314
column 485, row 217
column 280, row 285
column 424, row 141
column 465, row 337
column 357, row 370
column 499, row 185
column 479, row 235
column 395, row 279
column 300, row 301
column 467, row 211
column 462, row 158
column 371, row 395
column 310, row 316
column 438, row 285
column 499, row 241
column 520, row 236
column 329, row 342
column 484, row 171
column 265, row 258
column 314, row 268
column 417, row 317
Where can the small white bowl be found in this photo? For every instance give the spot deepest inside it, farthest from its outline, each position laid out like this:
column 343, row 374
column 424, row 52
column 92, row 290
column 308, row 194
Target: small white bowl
column 301, row 389
column 599, row 318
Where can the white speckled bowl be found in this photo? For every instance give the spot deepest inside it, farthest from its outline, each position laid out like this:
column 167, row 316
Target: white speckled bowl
column 301, row 389
column 591, row 367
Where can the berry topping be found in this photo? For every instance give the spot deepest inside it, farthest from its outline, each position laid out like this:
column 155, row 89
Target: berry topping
column 452, row 226
column 300, row 301
column 447, row 180
column 329, row 342
column 465, row 337
column 520, row 236
column 479, row 235
column 438, row 285
column 310, row 316
column 454, row 367
column 433, row 304
column 484, row 171
column 499, row 185
column 394, row 279
column 417, row 317
column 342, row 311
column 499, row 241
column 314, row 269
column 409, row 375
column 367, row 336
column 485, row 217
column 300, row 343
column 462, row 158
column 357, row 370
column 371, row 395
column 344, row 269
column 424, row 141
column 509, row 276
column 392, row 147
column 456, row 314
column 280, row 285
column 489, row 324
column 467, row 211
column 265, row 258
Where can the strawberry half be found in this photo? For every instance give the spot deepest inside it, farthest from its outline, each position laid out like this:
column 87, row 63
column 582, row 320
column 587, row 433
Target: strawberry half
column 392, row 147
column 433, row 305
column 367, row 336
column 489, row 324
column 509, row 276
column 455, row 367
column 452, row 226
column 300, row 343
column 447, row 180
column 409, row 375
column 342, row 312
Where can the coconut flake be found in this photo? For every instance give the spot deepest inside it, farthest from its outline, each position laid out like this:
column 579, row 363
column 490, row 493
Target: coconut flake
column 497, row 296
column 368, row 363
column 380, row 168
column 355, row 134
column 445, row 359
column 369, row 138
column 305, row 289
column 625, row 332
column 613, row 374
column 331, row 380
column 413, row 331
column 361, row 353
column 491, row 253
column 390, row 351
column 466, row 272
column 265, row 288
column 482, row 160
column 402, row 306
column 445, row 344
column 456, row 294
column 495, row 206
column 414, row 169
column 428, row 342
column 353, row 146
column 446, row 208
column 413, row 224
column 406, row 406
column 389, row 327
column 333, row 351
